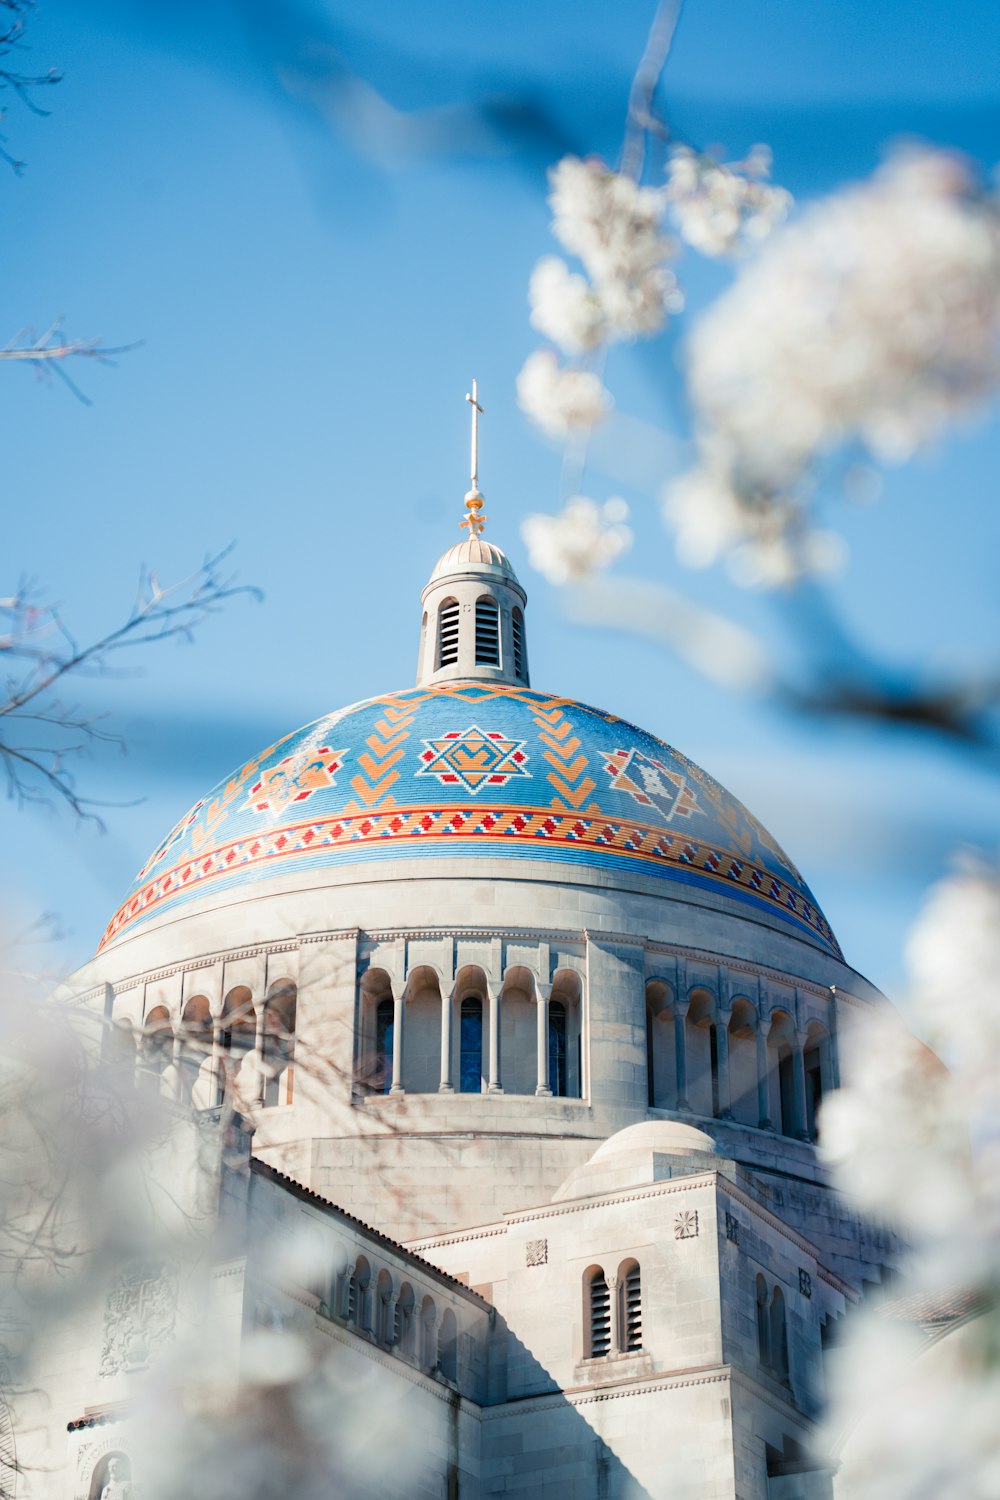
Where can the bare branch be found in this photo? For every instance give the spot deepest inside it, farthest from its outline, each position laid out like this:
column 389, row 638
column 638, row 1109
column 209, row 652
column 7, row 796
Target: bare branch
column 41, row 653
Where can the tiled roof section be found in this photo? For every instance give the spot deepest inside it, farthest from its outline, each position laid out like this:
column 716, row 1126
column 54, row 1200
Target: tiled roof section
column 477, row 771
column 934, row 1312
column 264, row 1169
column 94, row 1419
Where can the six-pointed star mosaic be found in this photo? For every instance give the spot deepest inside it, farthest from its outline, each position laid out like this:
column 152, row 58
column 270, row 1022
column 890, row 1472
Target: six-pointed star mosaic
column 473, row 758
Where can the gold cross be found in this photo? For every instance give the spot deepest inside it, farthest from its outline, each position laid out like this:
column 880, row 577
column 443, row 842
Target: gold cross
column 475, row 520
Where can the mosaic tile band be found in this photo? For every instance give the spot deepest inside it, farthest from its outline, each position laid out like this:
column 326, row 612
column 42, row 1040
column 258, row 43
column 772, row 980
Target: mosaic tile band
column 478, row 770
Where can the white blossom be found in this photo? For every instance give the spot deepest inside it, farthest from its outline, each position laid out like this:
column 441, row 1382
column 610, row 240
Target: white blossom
column 874, row 319
column 724, row 208
column 582, row 539
column 560, row 399
column 564, row 307
column 614, row 227
column 917, row 1143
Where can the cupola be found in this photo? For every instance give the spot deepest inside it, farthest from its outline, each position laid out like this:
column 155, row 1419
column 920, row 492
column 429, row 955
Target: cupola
column 473, row 619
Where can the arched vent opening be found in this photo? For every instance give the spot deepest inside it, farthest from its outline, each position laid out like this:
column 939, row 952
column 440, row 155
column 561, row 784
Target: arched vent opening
column 447, row 654
column 487, row 632
column 600, row 1316
column 517, row 626
column 631, row 1310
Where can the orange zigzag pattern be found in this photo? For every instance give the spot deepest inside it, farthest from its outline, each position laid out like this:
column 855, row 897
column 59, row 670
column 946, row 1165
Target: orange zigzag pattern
column 567, row 760
column 385, row 748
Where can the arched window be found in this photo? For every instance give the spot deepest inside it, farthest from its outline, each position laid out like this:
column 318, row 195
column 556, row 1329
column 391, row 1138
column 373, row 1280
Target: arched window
column 428, row 1335
column 779, row 1335
column 650, row 1060
column 517, row 632
column 196, row 1045
column 487, row 632
column 448, row 1345
column 471, row 1044
column 763, row 1325
column 157, row 1045
column 278, row 1043
column 629, row 1307
column 816, row 1062
column 237, row 1036
column 598, row 1311
column 383, row 1300
column 358, row 1315
column 557, row 1048
column 382, row 1079
column 447, row 650
column 713, row 1058
column 403, row 1336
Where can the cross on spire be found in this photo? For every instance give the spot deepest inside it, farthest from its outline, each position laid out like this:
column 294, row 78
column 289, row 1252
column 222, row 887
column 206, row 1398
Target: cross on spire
column 475, row 520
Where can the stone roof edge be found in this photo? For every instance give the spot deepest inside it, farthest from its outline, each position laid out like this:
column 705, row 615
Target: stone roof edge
column 748, row 1201
column 307, row 1195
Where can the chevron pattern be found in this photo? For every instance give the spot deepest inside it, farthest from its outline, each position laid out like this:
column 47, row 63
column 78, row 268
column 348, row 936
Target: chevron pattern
column 565, row 755
column 378, row 762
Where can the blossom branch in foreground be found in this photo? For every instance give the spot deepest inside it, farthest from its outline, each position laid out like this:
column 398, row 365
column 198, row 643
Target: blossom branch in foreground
column 873, row 320
column 916, row 1144
column 39, row 733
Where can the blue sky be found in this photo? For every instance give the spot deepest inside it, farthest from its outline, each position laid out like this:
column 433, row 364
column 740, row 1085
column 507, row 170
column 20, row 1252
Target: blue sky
column 310, row 319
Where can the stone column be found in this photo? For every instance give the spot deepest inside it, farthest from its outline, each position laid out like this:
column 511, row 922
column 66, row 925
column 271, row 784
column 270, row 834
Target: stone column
column 447, row 1005
column 218, row 1063
column 177, row 1061
column 259, row 1081
column 722, row 1058
column 799, row 1092
column 542, row 1007
column 680, row 1052
column 397, row 1042
column 494, row 1068
column 763, row 1095
column 616, row 1315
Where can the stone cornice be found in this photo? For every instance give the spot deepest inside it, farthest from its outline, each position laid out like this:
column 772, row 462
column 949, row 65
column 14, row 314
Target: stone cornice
column 645, row 1385
column 580, row 936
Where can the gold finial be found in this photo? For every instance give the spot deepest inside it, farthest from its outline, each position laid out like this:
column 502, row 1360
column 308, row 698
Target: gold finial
column 474, row 521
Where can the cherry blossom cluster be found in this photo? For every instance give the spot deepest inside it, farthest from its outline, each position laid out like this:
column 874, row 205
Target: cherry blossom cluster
column 871, row 321
column 724, row 209
column 582, row 539
column 914, row 1141
column 625, row 290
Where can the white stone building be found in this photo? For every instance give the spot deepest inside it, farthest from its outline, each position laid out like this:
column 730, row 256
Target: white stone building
column 516, row 983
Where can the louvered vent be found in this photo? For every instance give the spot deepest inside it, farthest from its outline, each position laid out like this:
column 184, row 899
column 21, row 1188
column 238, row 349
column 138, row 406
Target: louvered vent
column 600, row 1317
column 448, row 634
column 487, row 633
column 517, row 622
column 632, row 1325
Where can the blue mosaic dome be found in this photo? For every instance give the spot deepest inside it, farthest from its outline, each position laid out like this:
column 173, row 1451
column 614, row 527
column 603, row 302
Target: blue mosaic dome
column 472, row 768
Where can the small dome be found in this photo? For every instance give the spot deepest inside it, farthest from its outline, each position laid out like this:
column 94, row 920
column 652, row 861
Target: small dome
column 473, row 553
column 638, row 1156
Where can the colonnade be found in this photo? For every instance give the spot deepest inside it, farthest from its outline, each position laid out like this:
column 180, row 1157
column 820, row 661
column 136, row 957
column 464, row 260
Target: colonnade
column 558, row 1004
column 782, row 1051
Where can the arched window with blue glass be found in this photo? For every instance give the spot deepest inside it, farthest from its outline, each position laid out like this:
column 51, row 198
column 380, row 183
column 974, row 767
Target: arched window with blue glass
column 382, row 1076
column 566, row 1063
column 375, row 1034
column 558, row 1077
column 471, row 1046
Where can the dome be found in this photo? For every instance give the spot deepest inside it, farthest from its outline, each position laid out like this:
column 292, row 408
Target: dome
column 472, row 553
column 471, row 769
column 638, row 1155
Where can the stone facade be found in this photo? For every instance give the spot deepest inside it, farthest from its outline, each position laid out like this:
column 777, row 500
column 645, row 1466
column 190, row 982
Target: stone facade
column 576, row 1095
